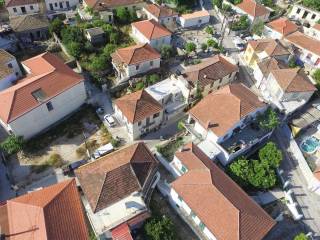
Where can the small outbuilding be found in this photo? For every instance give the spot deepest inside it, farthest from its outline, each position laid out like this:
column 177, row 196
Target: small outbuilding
column 95, row 35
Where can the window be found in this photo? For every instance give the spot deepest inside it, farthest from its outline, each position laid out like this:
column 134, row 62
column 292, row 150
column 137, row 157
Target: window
column 139, row 123
column 14, row 9
column 49, row 106
column 184, row 169
column 180, row 199
column 156, row 115
column 151, row 63
column 299, row 10
column 192, row 214
column 10, row 65
column 60, row 4
column 67, row 3
column 39, row 95
column 31, row 7
column 313, row 16
column 201, row 226
column 56, row 4
column 137, row 67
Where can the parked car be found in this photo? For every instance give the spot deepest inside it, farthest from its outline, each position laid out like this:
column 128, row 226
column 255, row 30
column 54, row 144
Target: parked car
column 73, row 166
column 101, row 151
column 110, row 120
column 240, row 46
column 100, row 111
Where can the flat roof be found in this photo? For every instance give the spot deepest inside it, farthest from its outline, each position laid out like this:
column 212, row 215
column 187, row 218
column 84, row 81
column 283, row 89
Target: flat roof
column 164, row 88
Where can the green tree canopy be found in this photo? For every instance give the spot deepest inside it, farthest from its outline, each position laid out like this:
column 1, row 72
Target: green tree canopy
column 74, row 48
column 257, row 28
column 217, row 3
column 160, row 229
column 122, row 15
column 301, row 236
column 269, row 120
column 204, row 46
column 152, row 79
column 190, row 47
column 316, row 76
column 270, row 155
column 167, row 52
column 56, row 26
column 242, row 24
column 12, row 144
column 212, row 43
column 313, row 4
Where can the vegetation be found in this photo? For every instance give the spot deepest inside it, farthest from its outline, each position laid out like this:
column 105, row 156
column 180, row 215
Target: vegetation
column 209, row 30
column 204, row 47
column 161, row 228
column 316, row 77
column 269, row 120
column 167, row 51
column 217, row 3
column 55, row 160
column 168, row 150
column 125, row 16
column 257, row 174
column 152, row 79
column 242, row 24
column 180, row 125
column 292, row 62
column 301, row 236
column 2, row 3
column 184, row 6
column 235, row 2
column 12, row 144
column 226, row 8
column 212, row 43
column 257, row 28
column 190, row 47
column 56, row 26
column 313, row 4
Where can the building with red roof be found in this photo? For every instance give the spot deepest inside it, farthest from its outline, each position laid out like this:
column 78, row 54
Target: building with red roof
column 279, row 28
column 49, row 92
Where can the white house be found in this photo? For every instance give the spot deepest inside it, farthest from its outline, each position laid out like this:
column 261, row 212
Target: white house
column 225, row 122
column 305, row 14
column 9, row 70
column 255, row 11
column 151, row 32
column 195, row 19
column 279, row 28
column 49, row 92
column 170, row 95
column 314, row 31
column 128, row 176
column 161, row 14
column 212, row 202
column 21, row 7
column 308, row 48
column 286, row 88
column 56, row 5
column 134, row 60
column 139, row 112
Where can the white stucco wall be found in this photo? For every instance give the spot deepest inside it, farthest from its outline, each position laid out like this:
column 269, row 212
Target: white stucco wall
column 143, row 67
column 298, row 13
column 40, row 118
column 312, row 32
column 54, row 5
column 7, row 81
column 12, row 12
column 270, row 33
column 193, row 22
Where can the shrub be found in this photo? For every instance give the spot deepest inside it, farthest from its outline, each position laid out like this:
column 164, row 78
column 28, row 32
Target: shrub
column 316, row 77
column 292, row 62
column 167, row 52
column 180, row 125
column 204, row 47
column 139, row 86
column 115, row 143
column 160, row 229
column 269, row 120
column 152, row 79
column 190, row 47
column 270, row 155
column 301, row 236
column 212, row 43
column 217, row 3
column 242, row 24
column 257, row 28
column 209, row 30
column 12, row 144
column 56, row 26
column 55, row 160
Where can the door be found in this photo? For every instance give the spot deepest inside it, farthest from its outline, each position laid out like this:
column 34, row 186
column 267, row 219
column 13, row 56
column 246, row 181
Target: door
column 23, row 10
column 51, row 6
column 60, row 4
column 68, row 5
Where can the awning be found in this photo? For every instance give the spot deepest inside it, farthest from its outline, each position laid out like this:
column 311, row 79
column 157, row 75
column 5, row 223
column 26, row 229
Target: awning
column 122, row 232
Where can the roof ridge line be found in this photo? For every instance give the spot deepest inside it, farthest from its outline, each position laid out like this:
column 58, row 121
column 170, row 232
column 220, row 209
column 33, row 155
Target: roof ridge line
column 100, row 192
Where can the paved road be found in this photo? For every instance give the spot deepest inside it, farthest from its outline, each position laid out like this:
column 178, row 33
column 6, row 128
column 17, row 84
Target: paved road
column 5, row 186
column 308, row 202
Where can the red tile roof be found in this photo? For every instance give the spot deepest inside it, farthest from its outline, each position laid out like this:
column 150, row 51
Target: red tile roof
column 253, row 8
column 160, row 11
column 220, row 203
column 222, row 109
column 117, row 175
column 107, row 4
column 138, row 106
column 14, row 3
column 55, row 212
column 317, row 26
column 122, row 232
column 49, row 74
column 301, row 40
column 270, row 46
column 283, row 26
column 151, row 29
column 135, row 54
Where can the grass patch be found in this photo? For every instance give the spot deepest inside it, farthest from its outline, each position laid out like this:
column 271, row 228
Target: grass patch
column 168, row 150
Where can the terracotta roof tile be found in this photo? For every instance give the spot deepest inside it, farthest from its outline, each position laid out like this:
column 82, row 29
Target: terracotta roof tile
column 283, row 26
column 253, row 8
column 209, row 71
column 301, row 40
column 13, row 3
column 138, row 105
column 116, row 175
column 222, row 109
column 189, row 157
column 269, row 64
column 160, row 11
column 135, row 54
column 106, row 4
column 55, row 212
column 293, row 80
column 220, row 203
column 29, row 22
column 49, row 74
column 269, row 46
column 121, row 232
column 316, row 26
column 197, row 14
column 151, row 29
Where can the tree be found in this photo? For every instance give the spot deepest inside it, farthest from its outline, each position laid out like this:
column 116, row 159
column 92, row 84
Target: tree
column 75, row 49
column 212, row 43
column 160, row 229
column 122, row 15
column 109, row 49
column 269, row 120
column 257, row 28
column 235, row 2
column 217, row 3
column 72, row 34
column 316, row 76
column 209, row 30
column 56, row 26
column 268, row 3
column 12, row 144
column 180, row 125
column 226, row 8
column 260, row 176
column 190, row 47
column 152, row 79
column 292, row 62
column 98, row 63
column 167, row 52
column 204, row 47
column 301, row 236
column 242, row 24
column 314, row 4
column 114, row 37
column 270, row 155
column 239, row 171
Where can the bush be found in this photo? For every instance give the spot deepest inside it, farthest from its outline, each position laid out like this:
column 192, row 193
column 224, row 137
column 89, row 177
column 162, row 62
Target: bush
column 115, row 143
column 242, row 24
column 212, row 43
column 190, row 47
column 139, row 86
column 168, row 150
column 180, row 125
column 270, row 155
column 301, row 236
column 269, row 120
column 12, row 144
column 316, row 77
column 313, row 4
column 209, row 30
column 56, row 26
column 217, row 3
column 160, row 229
column 204, row 47
column 167, row 52
column 257, row 28
column 292, row 62
column 152, row 79
column 55, row 160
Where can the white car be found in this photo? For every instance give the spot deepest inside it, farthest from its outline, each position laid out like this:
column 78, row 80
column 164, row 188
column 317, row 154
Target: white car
column 110, row 120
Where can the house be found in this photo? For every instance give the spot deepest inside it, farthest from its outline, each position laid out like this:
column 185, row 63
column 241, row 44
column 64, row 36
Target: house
column 213, row 202
column 54, row 212
column 314, row 31
column 260, row 49
column 56, row 5
column 135, row 60
column 279, row 28
column 162, row 14
column 225, row 122
column 195, row 19
column 117, row 188
column 23, row 7
column 30, row 27
column 95, row 35
column 207, row 76
column 140, row 113
column 286, row 88
column 308, row 48
column 304, row 14
column 151, row 32
column 170, row 95
column 255, row 11
column 106, row 7
column 9, row 69
column 48, row 93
